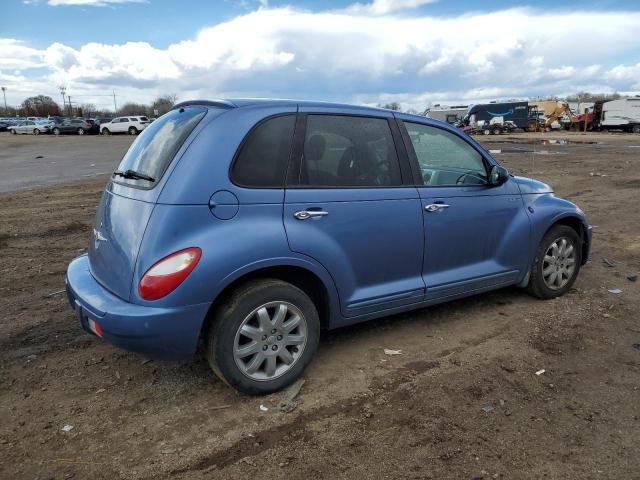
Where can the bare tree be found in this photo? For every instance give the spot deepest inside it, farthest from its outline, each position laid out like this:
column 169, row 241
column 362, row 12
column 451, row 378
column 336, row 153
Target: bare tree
column 390, row 106
column 163, row 104
column 88, row 109
column 133, row 109
column 593, row 97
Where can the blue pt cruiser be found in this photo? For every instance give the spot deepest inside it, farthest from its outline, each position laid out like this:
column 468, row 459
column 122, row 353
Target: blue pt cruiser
column 249, row 225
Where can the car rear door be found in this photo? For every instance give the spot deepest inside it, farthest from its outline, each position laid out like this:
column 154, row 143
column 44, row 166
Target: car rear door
column 476, row 234
column 348, row 206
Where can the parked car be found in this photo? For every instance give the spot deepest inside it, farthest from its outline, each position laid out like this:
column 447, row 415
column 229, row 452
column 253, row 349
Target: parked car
column 101, row 120
column 4, row 126
column 29, row 127
column 248, row 225
column 130, row 125
column 71, row 125
column 94, row 127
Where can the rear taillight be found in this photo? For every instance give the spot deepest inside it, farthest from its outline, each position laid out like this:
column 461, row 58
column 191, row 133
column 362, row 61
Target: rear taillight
column 165, row 276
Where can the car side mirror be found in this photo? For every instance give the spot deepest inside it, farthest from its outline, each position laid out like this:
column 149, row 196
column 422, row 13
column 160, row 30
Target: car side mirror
column 498, row 175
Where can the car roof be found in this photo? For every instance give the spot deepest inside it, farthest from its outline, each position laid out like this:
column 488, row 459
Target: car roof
column 276, row 102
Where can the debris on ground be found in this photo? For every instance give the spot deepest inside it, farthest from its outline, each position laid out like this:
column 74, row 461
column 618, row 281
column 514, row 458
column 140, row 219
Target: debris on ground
column 67, row 428
column 289, row 404
column 632, row 278
column 58, row 292
column 263, row 408
column 540, row 372
column 392, row 352
column 487, row 409
column 636, row 346
column 508, row 368
column 220, row 407
column 608, row 262
column 615, row 291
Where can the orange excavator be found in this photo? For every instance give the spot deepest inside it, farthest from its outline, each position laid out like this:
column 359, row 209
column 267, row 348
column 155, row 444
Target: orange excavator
column 560, row 109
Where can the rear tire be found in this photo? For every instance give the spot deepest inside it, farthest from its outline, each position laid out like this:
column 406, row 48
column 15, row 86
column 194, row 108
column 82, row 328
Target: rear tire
column 257, row 363
column 81, row 131
column 497, row 131
column 133, row 131
column 635, row 129
column 549, row 261
column 13, row 132
column 56, row 131
column 486, row 131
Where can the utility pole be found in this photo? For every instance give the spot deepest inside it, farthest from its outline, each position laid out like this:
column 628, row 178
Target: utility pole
column 4, row 94
column 115, row 107
column 70, row 111
column 62, row 92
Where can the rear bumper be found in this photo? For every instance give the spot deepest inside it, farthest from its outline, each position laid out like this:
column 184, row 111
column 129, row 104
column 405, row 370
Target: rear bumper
column 163, row 333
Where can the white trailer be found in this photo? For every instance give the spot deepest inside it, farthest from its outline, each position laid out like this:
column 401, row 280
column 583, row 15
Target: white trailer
column 621, row 114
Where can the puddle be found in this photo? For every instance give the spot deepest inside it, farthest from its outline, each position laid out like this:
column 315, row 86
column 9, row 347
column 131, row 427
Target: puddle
column 548, row 141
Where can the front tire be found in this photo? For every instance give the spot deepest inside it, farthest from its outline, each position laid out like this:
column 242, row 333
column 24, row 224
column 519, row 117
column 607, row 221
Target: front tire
column 556, row 264
column 81, row 131
column 635, row 129
column 106, row 131
column 263, row 336
column 13, row 132
column 36, row 131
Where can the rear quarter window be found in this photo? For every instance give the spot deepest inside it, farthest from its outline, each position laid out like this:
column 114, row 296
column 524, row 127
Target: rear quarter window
column 154, row 149
column 264, row 155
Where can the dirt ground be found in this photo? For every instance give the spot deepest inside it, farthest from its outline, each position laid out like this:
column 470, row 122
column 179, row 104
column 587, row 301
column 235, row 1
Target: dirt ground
column 462, row 401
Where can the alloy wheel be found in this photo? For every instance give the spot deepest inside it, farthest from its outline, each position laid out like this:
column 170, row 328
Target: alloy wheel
column 270, row 340
column 559, row 263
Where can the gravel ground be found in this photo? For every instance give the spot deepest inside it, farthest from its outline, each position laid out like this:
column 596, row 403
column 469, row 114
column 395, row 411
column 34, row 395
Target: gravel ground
column 462, row 401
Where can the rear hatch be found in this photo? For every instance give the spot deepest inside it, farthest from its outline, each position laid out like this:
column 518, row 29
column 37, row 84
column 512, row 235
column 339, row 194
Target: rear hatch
column 129, row 199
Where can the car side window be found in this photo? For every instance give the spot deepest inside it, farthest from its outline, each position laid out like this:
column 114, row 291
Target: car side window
column 444, row 158
column 264, row 156
column 347, row 151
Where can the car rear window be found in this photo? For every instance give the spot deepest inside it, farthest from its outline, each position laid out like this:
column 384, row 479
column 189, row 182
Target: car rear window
column 154, row 149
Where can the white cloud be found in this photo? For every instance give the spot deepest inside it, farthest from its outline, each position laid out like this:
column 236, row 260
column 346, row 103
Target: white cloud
column 385, row 7
column 351, row 55
column 88, row 3
column 15, row 54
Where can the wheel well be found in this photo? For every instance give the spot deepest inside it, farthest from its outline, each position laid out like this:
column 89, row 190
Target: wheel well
column 306, row 281
column 576, row 224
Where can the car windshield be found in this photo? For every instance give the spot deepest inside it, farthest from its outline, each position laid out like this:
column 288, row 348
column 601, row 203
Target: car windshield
column 154, row 149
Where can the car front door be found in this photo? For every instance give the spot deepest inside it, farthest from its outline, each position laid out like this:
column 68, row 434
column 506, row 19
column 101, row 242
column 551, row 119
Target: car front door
column 349, row 207
column 476, row 234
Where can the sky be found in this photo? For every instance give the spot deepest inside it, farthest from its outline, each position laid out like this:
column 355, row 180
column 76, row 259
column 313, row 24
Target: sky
column 415, row 52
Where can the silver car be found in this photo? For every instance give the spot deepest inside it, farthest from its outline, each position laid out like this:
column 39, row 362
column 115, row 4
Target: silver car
column 30, row 127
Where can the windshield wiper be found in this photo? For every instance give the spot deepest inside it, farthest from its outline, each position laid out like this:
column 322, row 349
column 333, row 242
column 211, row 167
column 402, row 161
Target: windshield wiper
column 133, row 175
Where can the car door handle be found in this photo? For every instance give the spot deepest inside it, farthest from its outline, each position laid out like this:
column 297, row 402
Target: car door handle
column 434, row 207
column 305, row 214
